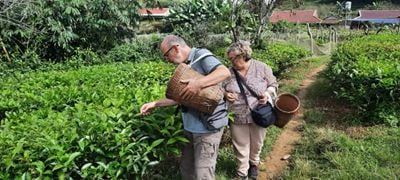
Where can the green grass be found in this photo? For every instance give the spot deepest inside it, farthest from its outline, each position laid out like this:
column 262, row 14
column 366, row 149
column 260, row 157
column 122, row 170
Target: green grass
column 336, row 146
column 326, row 153
column 292, row 79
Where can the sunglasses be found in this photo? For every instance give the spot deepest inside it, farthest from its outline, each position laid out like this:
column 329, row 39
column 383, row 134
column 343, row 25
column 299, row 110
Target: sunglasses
column 169, row 50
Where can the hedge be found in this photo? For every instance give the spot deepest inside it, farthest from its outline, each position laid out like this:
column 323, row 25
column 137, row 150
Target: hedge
column 366, row 72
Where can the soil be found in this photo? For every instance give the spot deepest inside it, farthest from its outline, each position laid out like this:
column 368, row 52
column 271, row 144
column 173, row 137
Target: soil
column 278, row 158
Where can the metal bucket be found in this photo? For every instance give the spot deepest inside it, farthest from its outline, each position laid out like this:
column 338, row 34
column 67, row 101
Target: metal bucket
column 286, row 106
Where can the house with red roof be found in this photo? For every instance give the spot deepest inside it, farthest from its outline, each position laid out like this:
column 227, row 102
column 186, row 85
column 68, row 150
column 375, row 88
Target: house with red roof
column 377, row 17
column 154, row 12
column 296, row 16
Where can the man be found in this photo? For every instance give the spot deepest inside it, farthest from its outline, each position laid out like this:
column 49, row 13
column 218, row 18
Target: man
column 200, row 154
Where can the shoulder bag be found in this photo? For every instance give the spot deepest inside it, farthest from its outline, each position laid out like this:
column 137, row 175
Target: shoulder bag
column 263, row 114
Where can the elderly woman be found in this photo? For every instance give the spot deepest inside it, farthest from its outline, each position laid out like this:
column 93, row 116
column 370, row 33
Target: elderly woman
column 247, row 136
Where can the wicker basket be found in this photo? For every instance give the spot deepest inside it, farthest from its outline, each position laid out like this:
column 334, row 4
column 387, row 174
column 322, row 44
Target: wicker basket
column 206, row 101
column 287, row 106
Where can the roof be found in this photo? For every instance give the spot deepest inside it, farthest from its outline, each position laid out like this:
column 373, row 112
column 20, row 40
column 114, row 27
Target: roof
column 295, row 16
column 378, row 21
column 379, row 16
column 331, row 20
column 160, row 12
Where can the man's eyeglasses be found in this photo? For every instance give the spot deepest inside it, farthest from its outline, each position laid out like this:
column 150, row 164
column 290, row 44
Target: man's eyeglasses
column 168, row 51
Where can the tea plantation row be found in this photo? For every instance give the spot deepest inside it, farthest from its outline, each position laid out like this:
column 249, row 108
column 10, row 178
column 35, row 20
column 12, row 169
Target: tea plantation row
column 84, row 122
column 366, row 72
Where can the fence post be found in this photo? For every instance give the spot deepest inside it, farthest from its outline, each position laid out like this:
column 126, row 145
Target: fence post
column 311, row 38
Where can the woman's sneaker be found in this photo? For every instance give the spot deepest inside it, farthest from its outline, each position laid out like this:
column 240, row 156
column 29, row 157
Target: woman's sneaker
column 240, row 177
column 253, row 171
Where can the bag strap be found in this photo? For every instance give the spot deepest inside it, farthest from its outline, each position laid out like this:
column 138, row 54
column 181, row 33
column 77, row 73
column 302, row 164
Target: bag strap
column 239, row 81
column 200, row 58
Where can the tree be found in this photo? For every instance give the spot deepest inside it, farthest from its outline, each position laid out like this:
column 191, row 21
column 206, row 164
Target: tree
column 192, row 19
column 252, row 16
column 262, row 10
column 56, row 28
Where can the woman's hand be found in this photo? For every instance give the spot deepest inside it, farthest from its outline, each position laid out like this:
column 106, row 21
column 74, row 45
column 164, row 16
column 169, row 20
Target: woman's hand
column 231, row 97
column 264, row 98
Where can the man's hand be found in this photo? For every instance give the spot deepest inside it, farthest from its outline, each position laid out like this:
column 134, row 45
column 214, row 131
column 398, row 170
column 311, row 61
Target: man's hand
column 231, row 97
column 192, row 88
column 147, row 108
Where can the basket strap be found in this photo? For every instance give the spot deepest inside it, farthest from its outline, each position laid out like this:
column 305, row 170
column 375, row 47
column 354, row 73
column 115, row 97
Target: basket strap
column 200, row 57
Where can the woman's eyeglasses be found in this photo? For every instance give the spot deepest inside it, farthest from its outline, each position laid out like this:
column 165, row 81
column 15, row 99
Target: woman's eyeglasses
column 234, row 58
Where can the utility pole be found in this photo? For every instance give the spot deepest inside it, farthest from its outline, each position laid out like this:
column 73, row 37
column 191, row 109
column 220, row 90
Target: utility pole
column 347, row 10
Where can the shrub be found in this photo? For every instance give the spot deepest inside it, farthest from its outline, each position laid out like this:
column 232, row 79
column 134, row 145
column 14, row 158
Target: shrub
column 366, row 72
column 281, row 56
column 29, row 61
column 140, row 49
column 282, row 26
column 84, row 123
column 278, row 56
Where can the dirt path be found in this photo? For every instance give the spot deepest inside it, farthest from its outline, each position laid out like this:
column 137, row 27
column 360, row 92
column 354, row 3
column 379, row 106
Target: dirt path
column 284, row 145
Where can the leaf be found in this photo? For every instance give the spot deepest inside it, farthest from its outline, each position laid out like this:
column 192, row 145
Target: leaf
column 18, row 148
column 57, row 167
column 107, row 103
column 87, row 165
column 182, row 139
column 100, row 151
column 39, row 166
column 102, row 164
column 165, row 132
column 152, row 163
column 175, row 151
column 171, row 141
column 155, row 143
column 26, row 175
column 81, row 144
column 72, row 157
column 61, row 175
column 117, row 102
column 68, row 10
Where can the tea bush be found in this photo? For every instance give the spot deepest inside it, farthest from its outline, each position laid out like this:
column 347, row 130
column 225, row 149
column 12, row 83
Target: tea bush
column 281, row 56
column 140, row 49
column 84, row 123
column 366, row 72
column 144, row 48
